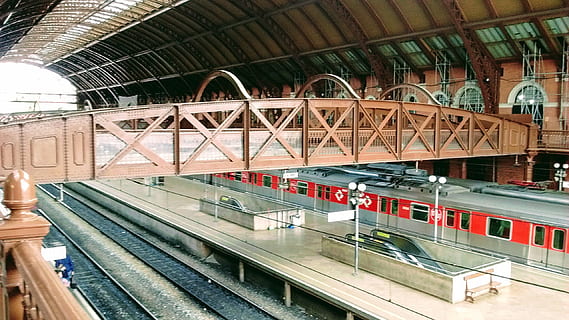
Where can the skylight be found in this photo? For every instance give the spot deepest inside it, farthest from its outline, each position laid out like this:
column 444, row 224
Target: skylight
column 78, row 23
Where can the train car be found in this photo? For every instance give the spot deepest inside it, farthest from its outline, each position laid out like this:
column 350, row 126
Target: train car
column 529, row 229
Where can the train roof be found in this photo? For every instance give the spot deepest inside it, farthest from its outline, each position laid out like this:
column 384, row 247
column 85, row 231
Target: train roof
column 453, row 195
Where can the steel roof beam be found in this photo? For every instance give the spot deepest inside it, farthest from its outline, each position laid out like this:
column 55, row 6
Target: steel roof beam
column 487, row 71
column 381, row 71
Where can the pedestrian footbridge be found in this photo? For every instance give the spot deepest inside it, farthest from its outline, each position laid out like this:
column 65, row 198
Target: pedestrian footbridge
column 250, row 134
column 239, row 135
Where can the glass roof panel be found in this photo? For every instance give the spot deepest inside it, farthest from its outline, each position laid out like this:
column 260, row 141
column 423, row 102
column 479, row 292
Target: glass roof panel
column 436, row 43
column 409, row 46
column 558, row 26
column 490, row 35
column 455, row 40
column 84, row 21
column 359, row 65
column 420, row 59
column 387, row 50
column 333, row 58
column 524, row 30
column 501, row 50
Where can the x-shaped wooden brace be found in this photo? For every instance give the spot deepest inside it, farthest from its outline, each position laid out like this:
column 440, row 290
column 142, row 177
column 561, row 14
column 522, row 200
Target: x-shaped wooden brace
column 133, row 143
column 330, row 131
column 377, row 130
column 486, row 134
column 209, row 136
column 282, row 122
column 418, row 130
column 454, row 132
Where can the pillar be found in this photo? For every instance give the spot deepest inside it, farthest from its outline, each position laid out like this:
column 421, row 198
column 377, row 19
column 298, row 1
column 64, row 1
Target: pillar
column 530, row 163
column 288, row 298
column 241, row 271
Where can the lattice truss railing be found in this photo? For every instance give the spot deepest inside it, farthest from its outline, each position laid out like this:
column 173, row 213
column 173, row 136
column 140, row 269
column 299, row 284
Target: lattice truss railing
column 250, row 134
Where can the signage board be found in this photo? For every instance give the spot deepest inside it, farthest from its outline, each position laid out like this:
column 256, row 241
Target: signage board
column 290, row 175
column 341, row 215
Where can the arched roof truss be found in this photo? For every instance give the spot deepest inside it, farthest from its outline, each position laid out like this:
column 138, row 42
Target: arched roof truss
column 145, row 46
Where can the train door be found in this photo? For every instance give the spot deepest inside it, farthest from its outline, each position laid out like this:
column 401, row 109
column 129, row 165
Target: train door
column 537, row 253
column 322, row 197
column 557, row 253
column 463, row 227
column 382, row 213
column 393, row 214
column 448, row 231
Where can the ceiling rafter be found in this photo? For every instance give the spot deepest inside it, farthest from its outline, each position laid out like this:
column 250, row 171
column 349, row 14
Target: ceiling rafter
column 88, row 83
column 280, row 35
column 409, row 29
column 494, row 14
column 45, row 7
column 133, row 59
column 487, row 71
column 381, row 71
column 553, row 47
column 236, row 48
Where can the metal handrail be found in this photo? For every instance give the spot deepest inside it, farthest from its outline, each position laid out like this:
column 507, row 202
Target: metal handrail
column 553, row 139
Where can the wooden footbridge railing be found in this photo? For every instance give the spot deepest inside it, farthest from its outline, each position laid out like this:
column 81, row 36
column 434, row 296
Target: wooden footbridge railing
column 30, row 287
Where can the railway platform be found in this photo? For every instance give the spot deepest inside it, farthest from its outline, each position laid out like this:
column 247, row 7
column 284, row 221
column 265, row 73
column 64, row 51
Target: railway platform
column 294, row 253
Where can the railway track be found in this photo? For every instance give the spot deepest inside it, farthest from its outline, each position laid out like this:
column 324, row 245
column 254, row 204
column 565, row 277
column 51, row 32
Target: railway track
column 214, row 296
column 105, row 295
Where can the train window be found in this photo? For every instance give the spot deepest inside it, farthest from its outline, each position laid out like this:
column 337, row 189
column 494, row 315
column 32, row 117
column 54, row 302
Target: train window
column 394, row 206
column 327, row 193
column 253, row 178
column 267, row 181
column 464, row 220
column 499, row 228
column 450, row 218
column 420, row 212
column 539, row 235
column 237, row 176
column 302, row 188
column 559, row 239
column 383, row 205
column 320, row 191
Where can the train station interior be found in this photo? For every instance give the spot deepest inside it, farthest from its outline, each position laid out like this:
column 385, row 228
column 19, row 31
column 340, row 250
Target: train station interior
column 191, row 117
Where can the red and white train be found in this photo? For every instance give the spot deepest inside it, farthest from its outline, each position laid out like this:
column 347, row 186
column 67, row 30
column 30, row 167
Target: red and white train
column 529, row 226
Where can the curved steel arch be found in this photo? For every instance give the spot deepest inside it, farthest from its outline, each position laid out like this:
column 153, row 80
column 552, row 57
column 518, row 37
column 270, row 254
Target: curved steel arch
column 327, row 76
column 227, row 75
column 430, row 97
column 70, row 79
column 89, row 72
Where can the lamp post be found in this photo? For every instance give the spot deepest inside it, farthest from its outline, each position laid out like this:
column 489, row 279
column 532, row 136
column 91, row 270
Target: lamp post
column 437, row 184
column 357, row 198
column 560, row 174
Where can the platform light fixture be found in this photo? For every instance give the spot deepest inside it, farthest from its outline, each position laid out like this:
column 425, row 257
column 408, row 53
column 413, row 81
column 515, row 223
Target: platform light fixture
column 560, row 174
column 437, row 183
column 357, row 198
